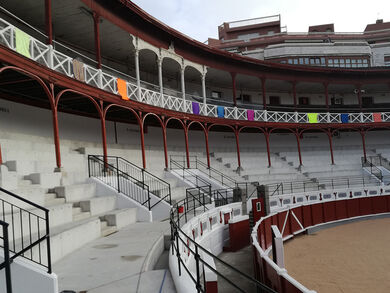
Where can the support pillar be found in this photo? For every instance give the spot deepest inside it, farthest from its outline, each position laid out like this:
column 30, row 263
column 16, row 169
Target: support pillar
column 359, row 96
column 141, row 128
column 206, row 137
column 299, row 148
column 137, row 74
column 236, row 133
column 268, row 149
column 263, row 80
column 294, row 84
column 56, row 138
column 363, row 135
column 48, row 22
column 204, row 88
column 330, row 146
column 160, row 77
column 326, row 95
column 104, row 133
column 233, row 74
column 96, row 20
column 183, row 83
column 164, row 130
column 186, row 141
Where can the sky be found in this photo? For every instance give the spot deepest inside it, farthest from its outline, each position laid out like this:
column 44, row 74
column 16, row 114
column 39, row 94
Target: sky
column 199, row 19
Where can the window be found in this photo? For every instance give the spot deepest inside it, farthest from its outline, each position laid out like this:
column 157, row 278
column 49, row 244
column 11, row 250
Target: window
column 336, row 62
column 290, row 61
column 295, row 61
column 312, row 61
column 274, row 100
column 336, row 101
column 322, row 61
column 330, row 62
column 216, row 95
column 317, row 60
column 307, row 61
column 300, row 60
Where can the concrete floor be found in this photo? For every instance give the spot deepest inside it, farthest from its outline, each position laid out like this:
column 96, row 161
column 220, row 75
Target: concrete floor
column 114, row 263
column 243, row 261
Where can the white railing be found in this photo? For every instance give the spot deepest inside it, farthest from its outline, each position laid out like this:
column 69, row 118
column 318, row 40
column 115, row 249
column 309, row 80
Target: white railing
column 51, row 58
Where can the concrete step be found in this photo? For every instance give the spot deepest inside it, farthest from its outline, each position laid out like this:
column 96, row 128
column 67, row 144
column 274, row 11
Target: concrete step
column 76, row 192
column 121, row 218
column 98, row 205
column 45, row 180
column 106, row 229
column 51, row 199
column 24, row 182
column 78, row 214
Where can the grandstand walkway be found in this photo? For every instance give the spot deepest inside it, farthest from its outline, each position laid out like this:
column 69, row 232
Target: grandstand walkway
column 117, row 263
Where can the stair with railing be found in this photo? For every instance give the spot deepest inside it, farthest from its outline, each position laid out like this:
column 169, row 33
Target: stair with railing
column 25, row 234
column 130, row 180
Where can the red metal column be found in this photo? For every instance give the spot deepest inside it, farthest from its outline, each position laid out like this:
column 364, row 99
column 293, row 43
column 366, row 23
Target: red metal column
column 359, row 96
column 165, row 146
column 104, row 133
column 186, row 141
column 266, row 134
column 141, row 129
column 233, row 74
column 263, row 80
column 330, row 146
column 96, row 19
column 299, row 148
column 206, row 137
column 363, row 134
column 326, row 95
column 48, row 22
column 1, row 158
column 295, row 94
column 236, row 133
column 56, row 137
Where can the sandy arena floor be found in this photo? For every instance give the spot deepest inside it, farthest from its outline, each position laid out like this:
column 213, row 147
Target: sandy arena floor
column 351, row 258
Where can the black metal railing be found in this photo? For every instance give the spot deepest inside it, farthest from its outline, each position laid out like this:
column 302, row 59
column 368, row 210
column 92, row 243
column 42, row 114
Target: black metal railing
column 195, row 203
column 280, row 188
column 156, row 185
column 28, row 230
column 121, row 181
column 187, row 174
column 210, row 172
column 7, row 262
column 370, row 163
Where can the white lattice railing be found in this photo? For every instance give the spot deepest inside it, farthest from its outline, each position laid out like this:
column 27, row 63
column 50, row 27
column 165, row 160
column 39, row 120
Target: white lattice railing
column 47, row 56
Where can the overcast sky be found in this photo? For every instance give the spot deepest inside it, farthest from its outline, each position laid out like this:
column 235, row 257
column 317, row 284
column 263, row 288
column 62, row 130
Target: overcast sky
column 199, row 19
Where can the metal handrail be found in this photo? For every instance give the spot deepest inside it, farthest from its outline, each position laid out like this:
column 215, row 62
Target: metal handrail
column 205, row 169
column 371, row 162
column 29, row 228
column 121, row 181
column 187, row 174
column 289, row 187
column 7, row 262
column 192, row 204
column 157, row 186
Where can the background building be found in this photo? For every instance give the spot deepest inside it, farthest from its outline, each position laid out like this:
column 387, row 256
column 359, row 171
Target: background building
column 264, row 38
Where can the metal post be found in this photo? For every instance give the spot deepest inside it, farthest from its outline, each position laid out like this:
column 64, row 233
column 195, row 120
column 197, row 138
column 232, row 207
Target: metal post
column 197, row 257
column 117, row 174
column 6, row 258
column 177, row 250
column 49, row 270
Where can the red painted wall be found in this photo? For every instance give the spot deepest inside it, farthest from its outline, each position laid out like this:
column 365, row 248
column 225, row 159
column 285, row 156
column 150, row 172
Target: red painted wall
column 239, row 233
column 310, row 215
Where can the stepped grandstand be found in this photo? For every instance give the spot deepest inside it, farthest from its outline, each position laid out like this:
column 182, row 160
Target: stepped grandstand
column 136, row 159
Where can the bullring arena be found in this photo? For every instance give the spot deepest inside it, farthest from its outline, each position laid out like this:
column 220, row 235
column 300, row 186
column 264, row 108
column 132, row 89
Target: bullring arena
column 136, row 159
